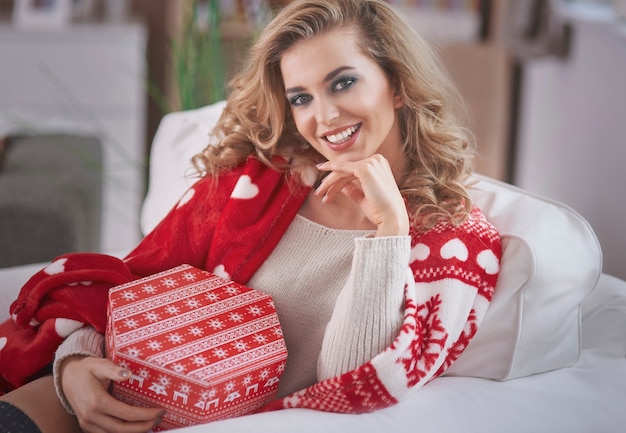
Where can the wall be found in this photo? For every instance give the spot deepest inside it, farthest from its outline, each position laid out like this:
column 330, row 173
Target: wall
column 572, row 136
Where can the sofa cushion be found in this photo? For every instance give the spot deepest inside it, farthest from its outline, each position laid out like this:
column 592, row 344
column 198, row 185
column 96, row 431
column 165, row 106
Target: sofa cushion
column 551, row 261
column 179, row 137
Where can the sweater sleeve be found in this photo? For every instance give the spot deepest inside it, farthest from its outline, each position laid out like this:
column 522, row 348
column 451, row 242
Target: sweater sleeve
column 369, row 310
column 85, row 341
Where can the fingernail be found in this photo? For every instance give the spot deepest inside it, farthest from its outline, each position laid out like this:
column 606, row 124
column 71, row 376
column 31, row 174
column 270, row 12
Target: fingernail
column 124, row 373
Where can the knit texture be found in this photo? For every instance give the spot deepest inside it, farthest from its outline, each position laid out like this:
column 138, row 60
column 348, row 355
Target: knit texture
column 230, row 229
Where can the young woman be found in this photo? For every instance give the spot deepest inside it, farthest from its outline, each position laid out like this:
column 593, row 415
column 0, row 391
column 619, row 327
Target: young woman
column 337, row 186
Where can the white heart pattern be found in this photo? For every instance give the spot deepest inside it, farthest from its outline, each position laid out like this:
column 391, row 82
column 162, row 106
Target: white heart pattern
column 3, row 342
column 84, row 283
column 188, row 195
column 56, row 267
column 487, row 260
column 420, row 252
column 65, row 327
column 220, row 271
column 455, row 248
column 245, row 189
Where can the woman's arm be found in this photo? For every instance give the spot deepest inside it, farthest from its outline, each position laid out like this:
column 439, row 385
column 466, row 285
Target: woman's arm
column 369, row 310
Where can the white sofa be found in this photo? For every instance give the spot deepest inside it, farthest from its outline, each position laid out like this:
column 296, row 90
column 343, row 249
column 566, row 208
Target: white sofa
column 550, row 355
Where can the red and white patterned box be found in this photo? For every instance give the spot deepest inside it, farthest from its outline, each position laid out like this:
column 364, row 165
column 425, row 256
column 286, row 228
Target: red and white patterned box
column 199, row 346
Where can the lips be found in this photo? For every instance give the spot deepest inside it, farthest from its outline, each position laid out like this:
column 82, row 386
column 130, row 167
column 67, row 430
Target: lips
column 342, row 139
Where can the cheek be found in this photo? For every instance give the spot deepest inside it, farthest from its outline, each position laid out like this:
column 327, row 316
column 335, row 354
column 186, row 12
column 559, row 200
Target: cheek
column 302, row 122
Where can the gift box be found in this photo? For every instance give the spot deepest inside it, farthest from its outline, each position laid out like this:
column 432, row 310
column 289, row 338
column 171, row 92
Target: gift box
column 199, row 346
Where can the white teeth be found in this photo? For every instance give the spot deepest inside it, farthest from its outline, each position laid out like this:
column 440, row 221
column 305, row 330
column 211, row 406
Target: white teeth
column 342, row 136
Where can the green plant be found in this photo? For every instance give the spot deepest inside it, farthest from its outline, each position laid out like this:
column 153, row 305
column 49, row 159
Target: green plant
column 198, row 57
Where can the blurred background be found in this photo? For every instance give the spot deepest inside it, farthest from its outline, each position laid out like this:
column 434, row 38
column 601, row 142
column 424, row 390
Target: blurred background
column 544, row 80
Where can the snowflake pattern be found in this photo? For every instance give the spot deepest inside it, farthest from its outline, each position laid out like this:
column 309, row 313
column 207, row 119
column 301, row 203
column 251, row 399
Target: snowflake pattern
column 172, row 309
column 133, row 352
column 235, row 317
column 189, row 276
column 255, row 310
column 129, row 295
column 185, row 388
column 199, row 360
column 216, row 324
column 169, row 282
column 179, row 368
column 192, row 303
column 175, row 338
column 232, row 290
column 152, row 316
column 259, row 338
column 240, row 345
column 230, row 386
column 149, row 289
column 165, row 380
column 196, row 331
column 208, row 394
column 220, row 353
column 212, row 297
column 154, row 345
column 131, row 323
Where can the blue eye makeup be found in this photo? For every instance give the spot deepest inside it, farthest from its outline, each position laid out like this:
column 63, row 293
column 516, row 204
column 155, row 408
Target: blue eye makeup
column 343, row 83
column 299, row 99
column 339, row 85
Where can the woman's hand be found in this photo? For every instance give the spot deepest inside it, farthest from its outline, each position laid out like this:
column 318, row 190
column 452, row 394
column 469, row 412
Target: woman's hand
column 370, row 183
column 85, row 382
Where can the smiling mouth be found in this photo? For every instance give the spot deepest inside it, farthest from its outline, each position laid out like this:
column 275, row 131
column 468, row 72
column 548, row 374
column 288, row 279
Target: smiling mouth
column 343, row 135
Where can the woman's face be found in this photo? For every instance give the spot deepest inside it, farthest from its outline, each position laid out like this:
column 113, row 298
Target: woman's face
column 341, row 100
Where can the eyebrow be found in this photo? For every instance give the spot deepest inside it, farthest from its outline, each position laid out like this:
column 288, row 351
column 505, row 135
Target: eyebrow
column 332, row 74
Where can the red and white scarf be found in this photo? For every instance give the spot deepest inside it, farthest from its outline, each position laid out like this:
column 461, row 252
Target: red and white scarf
column 230, row 228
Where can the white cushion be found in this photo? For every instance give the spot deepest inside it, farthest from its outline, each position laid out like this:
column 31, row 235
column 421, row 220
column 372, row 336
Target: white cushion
column 179, row 137
column 551, row 261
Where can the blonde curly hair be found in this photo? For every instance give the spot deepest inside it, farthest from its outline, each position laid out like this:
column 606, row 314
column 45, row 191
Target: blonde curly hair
column 257, row 118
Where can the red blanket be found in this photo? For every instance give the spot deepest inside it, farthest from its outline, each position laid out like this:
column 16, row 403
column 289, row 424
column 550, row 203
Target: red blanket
column 230, row 228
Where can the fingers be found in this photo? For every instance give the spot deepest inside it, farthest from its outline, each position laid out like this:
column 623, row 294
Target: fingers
column 101, row 412
column 372, row 175
column 333, row 184
column 85, row 382
column 105, row 370
column 371, row 184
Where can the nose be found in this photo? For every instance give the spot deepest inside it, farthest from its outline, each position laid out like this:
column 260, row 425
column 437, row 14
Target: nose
column 326, row 111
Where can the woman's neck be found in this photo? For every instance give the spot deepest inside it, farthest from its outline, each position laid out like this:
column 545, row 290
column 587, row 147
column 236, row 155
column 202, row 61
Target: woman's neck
column 342, row 213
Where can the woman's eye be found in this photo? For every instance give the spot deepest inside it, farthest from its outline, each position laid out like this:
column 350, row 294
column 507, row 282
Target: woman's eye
column 343, row 83
column 297, row 100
